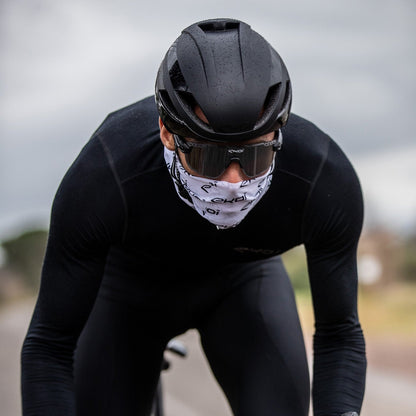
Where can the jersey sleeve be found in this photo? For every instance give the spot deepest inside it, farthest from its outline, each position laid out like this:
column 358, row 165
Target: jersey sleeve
column 87, row 217
column 332, row 226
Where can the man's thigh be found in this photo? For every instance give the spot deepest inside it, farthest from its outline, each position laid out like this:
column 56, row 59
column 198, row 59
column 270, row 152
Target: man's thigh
column 117, row 362
column 254, row 344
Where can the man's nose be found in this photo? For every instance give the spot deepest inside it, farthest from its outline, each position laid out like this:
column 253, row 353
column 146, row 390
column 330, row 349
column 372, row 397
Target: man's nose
column 233, row 173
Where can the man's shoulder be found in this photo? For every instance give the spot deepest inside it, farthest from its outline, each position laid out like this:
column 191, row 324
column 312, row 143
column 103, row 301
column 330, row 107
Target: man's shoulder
column 305, row 147
column 130, row 137
column 140, row 116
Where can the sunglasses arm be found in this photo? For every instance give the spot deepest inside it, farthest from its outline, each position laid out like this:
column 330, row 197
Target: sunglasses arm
column 279, row 143
column 181, row 144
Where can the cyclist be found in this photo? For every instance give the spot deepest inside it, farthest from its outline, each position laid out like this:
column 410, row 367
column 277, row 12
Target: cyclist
column 150, row 237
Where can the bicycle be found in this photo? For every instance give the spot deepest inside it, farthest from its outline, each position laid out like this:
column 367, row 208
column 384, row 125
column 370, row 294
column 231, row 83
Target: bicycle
column 179, row 349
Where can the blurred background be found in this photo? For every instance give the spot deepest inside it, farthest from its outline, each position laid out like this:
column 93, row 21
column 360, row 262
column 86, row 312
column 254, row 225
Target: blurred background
column 65, row 65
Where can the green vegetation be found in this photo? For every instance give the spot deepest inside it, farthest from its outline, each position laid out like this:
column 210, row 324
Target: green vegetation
column 23, row 263
column 295, row 263
column 389, row 311
column 408, row 260
column 385, row 308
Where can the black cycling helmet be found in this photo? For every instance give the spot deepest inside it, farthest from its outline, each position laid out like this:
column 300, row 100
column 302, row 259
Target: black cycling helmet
column 232, row 73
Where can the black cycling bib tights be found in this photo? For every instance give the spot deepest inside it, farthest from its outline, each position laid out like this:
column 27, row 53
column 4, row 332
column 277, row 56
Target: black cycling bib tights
column 129, row 265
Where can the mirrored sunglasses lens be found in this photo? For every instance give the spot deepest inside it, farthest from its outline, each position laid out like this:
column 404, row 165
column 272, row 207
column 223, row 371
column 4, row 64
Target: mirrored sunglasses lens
column 211, row 160
column 207, row 160
column 256, row 160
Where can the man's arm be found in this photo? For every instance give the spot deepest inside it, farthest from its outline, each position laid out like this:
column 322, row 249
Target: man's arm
column 81, row 232
column 332, row 227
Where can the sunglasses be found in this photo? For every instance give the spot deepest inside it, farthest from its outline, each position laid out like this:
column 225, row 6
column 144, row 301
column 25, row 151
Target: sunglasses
column 211, row 160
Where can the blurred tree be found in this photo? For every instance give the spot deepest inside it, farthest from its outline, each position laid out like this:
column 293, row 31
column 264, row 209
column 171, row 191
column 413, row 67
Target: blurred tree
column 408, row 261
column 24, row 256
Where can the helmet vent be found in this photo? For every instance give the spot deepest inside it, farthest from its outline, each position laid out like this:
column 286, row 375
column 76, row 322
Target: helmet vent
column 219, row 26
column 176, row 77
column 188, row 99
column 287, row 94
column 167, row 102
column 271, row 99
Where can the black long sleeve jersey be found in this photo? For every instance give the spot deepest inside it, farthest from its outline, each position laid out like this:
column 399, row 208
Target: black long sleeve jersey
column 116, row 213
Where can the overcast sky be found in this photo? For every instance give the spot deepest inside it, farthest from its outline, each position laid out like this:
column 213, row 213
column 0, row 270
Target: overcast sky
column 65, row 65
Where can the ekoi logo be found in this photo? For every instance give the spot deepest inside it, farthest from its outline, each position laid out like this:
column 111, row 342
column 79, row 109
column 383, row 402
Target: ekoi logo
column 262, row 251
column 219, row 200
column 208, row 186
column 210, row 211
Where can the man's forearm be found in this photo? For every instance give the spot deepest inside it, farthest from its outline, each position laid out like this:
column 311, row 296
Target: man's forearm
column 47, row 381
column 339, row 370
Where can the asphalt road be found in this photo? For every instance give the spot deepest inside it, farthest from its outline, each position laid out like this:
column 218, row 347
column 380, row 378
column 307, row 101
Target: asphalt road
column 190, row 387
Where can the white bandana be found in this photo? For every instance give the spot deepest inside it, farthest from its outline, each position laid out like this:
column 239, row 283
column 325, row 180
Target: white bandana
column 222, row 203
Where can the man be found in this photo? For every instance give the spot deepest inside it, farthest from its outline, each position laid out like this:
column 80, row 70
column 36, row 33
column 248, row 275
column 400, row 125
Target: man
column 149, row 240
